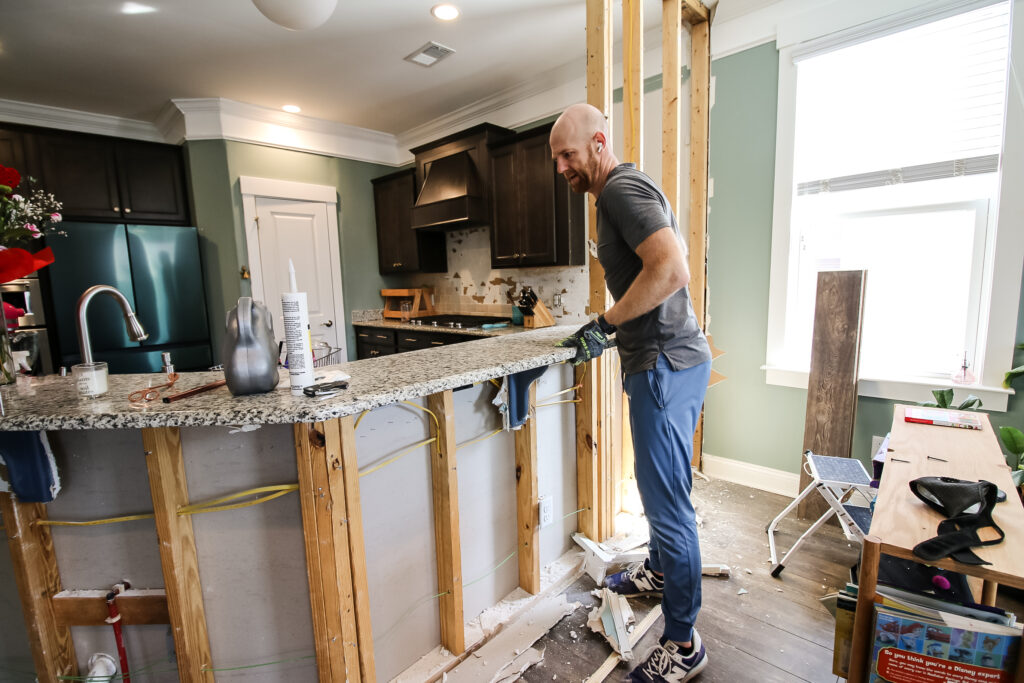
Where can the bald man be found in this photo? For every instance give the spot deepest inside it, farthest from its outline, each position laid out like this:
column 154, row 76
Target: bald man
column 665, row 363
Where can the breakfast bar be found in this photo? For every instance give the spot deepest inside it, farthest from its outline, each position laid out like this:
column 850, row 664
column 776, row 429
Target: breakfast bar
column 232, row 582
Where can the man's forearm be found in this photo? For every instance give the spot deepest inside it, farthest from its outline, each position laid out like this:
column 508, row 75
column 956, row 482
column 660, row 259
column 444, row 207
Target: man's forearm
column 650, row 288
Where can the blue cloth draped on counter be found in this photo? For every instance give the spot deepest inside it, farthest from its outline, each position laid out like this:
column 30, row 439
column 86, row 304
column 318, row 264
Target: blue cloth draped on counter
column 513, row 400
column 31, row 470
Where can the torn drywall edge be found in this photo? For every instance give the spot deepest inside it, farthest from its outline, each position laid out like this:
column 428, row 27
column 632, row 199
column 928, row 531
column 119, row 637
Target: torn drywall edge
column 519, row 665
column 554, row 579
column 515, row 638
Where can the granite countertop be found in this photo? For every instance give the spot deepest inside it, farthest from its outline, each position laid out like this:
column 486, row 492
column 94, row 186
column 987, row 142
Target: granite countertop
column 51, row 402
column 467, row 331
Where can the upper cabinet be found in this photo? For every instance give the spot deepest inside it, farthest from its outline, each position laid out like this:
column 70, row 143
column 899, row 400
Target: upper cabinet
column 101, row 178
column 400, row 248
column 538, row 220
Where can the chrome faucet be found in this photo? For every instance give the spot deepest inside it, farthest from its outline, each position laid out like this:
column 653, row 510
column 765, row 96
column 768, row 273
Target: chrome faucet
column 134, row 327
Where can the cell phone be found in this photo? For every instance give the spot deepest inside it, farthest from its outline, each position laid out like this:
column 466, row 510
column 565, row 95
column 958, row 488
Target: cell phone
column 325, row 388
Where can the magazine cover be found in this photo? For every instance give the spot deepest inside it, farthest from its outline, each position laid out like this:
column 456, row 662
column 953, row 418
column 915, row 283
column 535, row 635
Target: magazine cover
column 912, row 649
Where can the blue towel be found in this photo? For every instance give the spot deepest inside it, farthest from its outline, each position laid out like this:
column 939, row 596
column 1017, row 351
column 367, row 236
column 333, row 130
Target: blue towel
column 519, row 395
column 31, row 470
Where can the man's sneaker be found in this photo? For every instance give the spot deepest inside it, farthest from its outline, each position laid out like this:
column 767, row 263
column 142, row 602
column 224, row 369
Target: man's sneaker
column 666, row 663
column 637, row 580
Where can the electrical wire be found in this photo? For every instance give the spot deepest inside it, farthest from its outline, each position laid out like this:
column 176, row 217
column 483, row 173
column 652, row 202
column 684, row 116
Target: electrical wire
column 430, row 412
column 555, row 403
column 406, row 451
column 479, row 439
column 359, row 419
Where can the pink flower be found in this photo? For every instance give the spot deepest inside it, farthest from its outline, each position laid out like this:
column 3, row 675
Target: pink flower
column 56, row 218
column 31, row 227
column 17, row 198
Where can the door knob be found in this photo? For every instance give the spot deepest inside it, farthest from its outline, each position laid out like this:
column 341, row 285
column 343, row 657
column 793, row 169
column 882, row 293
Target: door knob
column 127, row 210
column 329, row 323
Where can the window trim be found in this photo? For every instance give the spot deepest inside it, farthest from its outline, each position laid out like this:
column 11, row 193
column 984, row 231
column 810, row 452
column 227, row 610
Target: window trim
column 1000, row 297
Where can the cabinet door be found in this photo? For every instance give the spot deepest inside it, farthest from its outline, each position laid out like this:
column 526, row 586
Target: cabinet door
column 537, row 202
column 505, row 226
column 152, row 182
column 389, row 203
column 14, row 150
column 81, row 172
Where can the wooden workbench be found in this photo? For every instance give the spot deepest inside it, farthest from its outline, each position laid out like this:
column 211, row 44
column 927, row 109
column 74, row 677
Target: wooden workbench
column 901, row 521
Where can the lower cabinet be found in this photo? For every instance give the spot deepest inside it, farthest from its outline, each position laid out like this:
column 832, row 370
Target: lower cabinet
column 372, row 342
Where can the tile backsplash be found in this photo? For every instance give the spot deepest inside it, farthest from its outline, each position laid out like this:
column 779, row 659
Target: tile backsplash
column 471, row 286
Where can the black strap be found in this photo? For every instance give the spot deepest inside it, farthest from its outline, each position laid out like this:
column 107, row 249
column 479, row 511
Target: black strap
column 958, row 533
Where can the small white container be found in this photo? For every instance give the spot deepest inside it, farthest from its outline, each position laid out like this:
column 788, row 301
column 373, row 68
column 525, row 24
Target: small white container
column 90, row 379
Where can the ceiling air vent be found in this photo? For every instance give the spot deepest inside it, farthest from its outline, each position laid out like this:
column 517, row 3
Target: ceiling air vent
column 430, row 54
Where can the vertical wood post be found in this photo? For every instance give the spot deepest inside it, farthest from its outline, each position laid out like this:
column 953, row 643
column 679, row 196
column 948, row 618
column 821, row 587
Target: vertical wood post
column 860, row 647
column 586, row 452
column 344, row 463
column 671, row 91
column 700, row 118
column 38, row 580
column 633, row 82
column 527, row 500
column 178, row 558
column 599, row 94
column 325, row 533
column 447, row 538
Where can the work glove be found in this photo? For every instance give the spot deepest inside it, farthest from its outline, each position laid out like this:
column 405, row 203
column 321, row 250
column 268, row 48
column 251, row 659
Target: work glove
column 590, row 340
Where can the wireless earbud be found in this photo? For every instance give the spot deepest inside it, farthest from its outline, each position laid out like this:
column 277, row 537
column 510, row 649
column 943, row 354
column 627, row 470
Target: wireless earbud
column 599, row 147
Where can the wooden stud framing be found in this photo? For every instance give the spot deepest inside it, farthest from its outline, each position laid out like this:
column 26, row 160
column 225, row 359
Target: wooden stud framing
column 446, row 521
column 325, row 531
column 671, row 92
column 178, row 557
column 38, row 580
column 633, row 82
column 586, row 452
column 136, row 608
column 527, row 500
column 345, row 463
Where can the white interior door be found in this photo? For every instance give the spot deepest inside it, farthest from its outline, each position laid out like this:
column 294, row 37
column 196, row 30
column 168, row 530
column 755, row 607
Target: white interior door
column 299, row 231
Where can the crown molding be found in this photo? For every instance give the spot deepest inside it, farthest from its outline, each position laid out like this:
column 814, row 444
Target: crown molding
column 27, row 113
column 223, row 119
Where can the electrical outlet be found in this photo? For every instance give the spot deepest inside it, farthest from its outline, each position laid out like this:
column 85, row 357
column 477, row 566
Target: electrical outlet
column 556, row 300
column 547, row 511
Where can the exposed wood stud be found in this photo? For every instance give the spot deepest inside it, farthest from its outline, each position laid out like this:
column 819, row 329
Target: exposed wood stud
column 446, row 522
column 586, row 452
column 135, row 608
column 527, row 500
column 178, row 557
column 38, row 580
column 633, row 82
column 671, row 93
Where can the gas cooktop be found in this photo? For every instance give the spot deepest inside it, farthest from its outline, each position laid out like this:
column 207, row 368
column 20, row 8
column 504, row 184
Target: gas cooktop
column 457, row 321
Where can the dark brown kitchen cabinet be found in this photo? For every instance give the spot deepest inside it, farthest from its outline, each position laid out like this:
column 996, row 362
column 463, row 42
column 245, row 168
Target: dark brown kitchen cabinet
column 538, row 220
column 101, row 178
column 401, row 249
column 372, row 342
column 16, row 151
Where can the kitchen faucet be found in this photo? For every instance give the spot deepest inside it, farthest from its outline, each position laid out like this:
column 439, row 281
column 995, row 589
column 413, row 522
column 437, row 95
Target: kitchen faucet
column 134, row 327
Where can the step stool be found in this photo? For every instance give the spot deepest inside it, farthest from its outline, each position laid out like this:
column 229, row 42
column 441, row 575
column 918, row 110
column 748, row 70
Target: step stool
column 835, row 479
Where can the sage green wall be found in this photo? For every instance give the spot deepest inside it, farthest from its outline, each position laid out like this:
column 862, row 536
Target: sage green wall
column 219, row 164
column 747, row 419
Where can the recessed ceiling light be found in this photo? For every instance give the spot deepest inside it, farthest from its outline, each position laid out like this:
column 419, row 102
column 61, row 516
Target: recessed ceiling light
column 445, row 12
column 136, row 8
column 291, row 108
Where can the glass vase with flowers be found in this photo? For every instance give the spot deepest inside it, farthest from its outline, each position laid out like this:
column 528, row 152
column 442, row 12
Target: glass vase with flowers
column 26, row 214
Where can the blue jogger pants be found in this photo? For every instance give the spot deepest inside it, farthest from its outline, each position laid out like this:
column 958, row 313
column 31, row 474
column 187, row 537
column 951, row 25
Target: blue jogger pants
column 664, row 406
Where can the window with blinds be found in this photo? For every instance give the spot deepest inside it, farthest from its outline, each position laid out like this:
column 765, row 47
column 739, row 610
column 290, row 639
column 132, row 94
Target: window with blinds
column 895, row 170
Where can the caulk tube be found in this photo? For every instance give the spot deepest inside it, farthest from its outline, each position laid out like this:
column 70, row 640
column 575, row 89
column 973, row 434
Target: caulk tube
column 297, row 335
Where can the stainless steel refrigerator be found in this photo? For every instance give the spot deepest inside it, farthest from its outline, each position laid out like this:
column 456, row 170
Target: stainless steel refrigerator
column 157, row 268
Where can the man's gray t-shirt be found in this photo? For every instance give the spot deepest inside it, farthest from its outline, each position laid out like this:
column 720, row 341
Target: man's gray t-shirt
column 630, row 209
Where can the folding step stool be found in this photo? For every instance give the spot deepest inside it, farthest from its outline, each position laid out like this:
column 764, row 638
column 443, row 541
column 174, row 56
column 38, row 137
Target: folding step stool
column 835, row 479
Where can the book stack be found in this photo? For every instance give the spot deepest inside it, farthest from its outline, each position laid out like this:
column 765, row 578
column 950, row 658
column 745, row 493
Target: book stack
column 923, row 639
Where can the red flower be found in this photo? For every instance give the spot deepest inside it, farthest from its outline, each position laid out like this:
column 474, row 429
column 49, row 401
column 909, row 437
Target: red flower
column 9, row 177
column 16, row 263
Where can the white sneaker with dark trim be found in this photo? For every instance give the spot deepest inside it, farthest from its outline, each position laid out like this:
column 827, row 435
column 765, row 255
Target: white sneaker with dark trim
column 638, row 579
column 666, row 663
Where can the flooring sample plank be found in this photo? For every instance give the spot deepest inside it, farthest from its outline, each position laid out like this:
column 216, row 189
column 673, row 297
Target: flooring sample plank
column 178, row 557
column 447, row 540
column 832, row 383
column 38, row 579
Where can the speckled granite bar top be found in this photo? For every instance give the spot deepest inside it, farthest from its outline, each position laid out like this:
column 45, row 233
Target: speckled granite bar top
column 467, row 331
column 52, row 403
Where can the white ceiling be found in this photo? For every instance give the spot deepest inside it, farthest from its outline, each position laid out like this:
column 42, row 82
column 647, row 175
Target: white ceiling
column 86, row 55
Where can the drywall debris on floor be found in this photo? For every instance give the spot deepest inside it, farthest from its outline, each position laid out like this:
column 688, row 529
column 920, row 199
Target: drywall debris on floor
column 519, row 665
column 708, row 569
column 598, row 557
column 612, row 619
column 489, row 661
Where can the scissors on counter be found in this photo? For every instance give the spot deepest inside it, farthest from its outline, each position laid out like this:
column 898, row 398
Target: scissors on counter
column 153, row 393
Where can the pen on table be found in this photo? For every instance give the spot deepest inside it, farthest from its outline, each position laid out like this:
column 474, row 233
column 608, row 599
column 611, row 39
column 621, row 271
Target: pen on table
column 197, row 390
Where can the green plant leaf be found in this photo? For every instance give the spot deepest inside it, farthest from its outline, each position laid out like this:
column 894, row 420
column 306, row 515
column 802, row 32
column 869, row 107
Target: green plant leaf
column 1013, row 439
column 943, row 397
column 1012, row 375
column 972, row 402
column 929, row 404
column 1018, row 477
